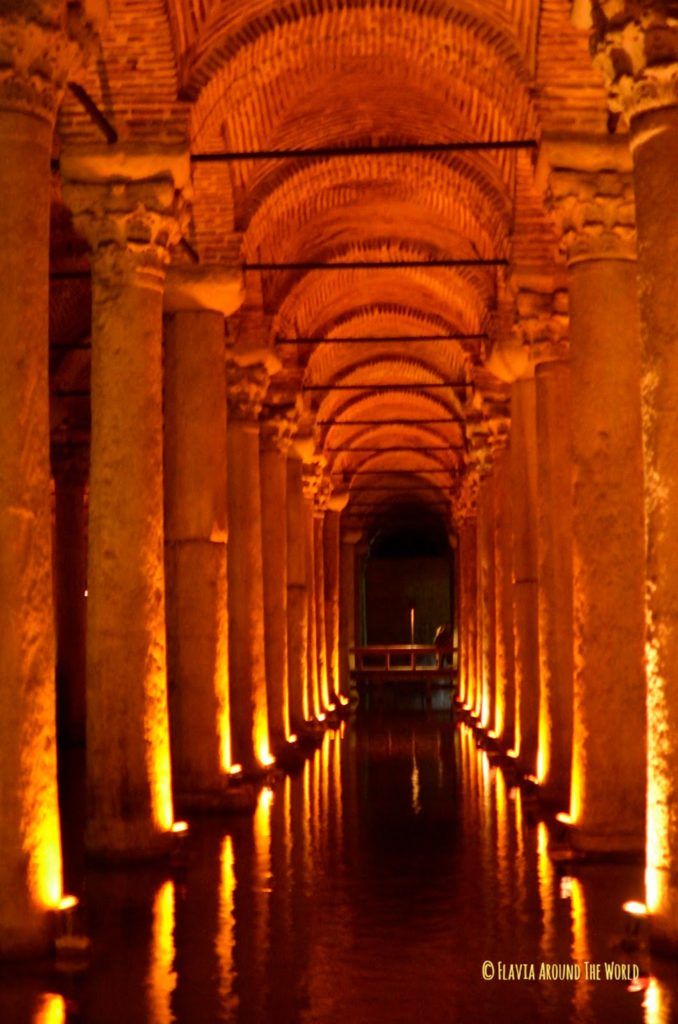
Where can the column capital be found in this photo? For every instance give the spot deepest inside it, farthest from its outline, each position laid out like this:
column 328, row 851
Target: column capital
column 352, row 536
column 465, row 502
column 635, row 47
column 540, row 332
column 246, row 389
column 279, row 424
column 129, row 203
column 40, row 51
column 213, row 287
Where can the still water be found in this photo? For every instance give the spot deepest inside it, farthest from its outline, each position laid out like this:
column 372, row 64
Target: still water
column 370, row 888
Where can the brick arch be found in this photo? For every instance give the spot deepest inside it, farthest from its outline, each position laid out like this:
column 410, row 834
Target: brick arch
column 337, row 362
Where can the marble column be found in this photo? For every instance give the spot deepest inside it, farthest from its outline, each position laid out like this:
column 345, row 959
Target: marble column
column 472, row 610
column 503, row 582
column 196, row 526
column 319, row 513
column 247, row 386
column 70, row 466
column 642, row 80
column 525, row 598
column 297, row 597
column 486, row 595
column 348, row 607
column 311, row 483
column 554, row 500
column 591, row 195
column 127, row 203
column 276, row 437
column 36, row 60
column 332, row 597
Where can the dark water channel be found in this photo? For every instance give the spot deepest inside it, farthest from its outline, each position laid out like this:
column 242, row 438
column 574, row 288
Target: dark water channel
column 371, row 888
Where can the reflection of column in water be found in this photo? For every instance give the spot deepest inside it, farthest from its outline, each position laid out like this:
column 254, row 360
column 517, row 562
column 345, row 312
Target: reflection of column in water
column 656, row 1004
column 520, row 858
column 338, row 795
column 281, row 967
column 301, row 882
column 580, row 950
column 504, row 860
column 50, row 1009
column 414, row 780
column 226, row 932
column 546, row 882
column 161, row 974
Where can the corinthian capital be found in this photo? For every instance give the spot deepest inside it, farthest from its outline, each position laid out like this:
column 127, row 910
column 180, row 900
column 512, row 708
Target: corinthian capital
column 36, row 58
column 278, row 427
column 127, row 200
column 635, row 46
column 247, row 386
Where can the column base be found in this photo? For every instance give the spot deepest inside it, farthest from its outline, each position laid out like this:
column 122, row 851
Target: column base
column 232, row 799
column 611, row 846
column 122, row 847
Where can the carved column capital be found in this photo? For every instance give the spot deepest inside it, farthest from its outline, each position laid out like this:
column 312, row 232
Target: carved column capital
column 465, row 501
column 278, row 427
column 541, row 327
column 37, row 58
column 246, row 390
column 594, row 212
column 635, row 47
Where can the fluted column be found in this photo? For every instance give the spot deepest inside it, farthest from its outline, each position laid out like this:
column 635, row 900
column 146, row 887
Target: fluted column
column 592, row 202
column 348, row 606
column 297, row 596
column 70, row 466
column 525, row 607
column 503, row 582
column 196, row 526
column 638, row 53
column 247, row 385
column 276, row 437
column 128, row 206
column 35, row 64
column 554, row 475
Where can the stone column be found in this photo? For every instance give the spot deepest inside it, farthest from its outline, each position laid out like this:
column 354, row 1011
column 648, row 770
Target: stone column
column 554, row 475
column 35, row 63
column 247, row 386
column 590, row 192
column 276, row 437
column 297, row 597
column 348, row 602
column 486, row 596
column 70, row 466
column 127, row 203
column 332, row 596
column 319, row 513
column 525, row 606
column 639, row 56
column 196, row 526
column 472, row 610
column 503, row 580
column 311, row 483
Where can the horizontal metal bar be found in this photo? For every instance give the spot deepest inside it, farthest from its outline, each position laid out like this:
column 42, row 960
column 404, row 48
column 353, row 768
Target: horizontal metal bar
column 388, row 423
column 413, row 385
column 96, row 115
column 364, row 339
column 375, row 264
column 386, row 149
column 400, row 448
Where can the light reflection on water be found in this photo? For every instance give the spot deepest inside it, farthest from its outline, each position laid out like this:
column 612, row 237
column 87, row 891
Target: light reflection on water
column 369, row 888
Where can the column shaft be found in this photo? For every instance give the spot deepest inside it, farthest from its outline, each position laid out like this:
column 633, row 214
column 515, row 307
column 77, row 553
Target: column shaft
column 320, row 623
column 554, row 472
column 608, row 545
column 313, row 676
column 70, row 571
column 332, row 572
column 503, row 580
column 347, row 612
column 196, row 550
column 297, row 598
column 274, row 532
column 525, row 604
column 486, row 591
column 30, row 852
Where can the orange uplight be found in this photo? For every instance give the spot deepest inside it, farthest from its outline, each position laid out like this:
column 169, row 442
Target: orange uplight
column 564, row 818
column 321, row 717
column 51, row 1009
column 512, row 753
column 235, row 769
column 533, row 779
column 343, row 700
column 180, row 827
column 293, row 738
column 266, row 797
column 68, row 902
column 635, row 908
column 266, row 758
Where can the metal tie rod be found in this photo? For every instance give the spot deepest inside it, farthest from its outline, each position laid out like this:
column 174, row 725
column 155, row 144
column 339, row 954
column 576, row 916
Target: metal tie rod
column 388, row 423
column 396, row 386
column 375, row 264
column 365, row 339
column 386, row 149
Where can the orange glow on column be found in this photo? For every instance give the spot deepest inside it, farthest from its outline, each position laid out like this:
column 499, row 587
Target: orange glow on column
column 158, row 750
column 544, row 751
column 161, row 973
column 51, row 1009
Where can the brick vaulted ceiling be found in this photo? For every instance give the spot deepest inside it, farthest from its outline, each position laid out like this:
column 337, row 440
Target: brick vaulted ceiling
column 296, row 74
